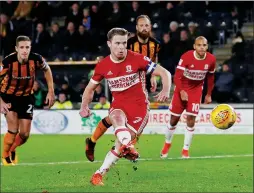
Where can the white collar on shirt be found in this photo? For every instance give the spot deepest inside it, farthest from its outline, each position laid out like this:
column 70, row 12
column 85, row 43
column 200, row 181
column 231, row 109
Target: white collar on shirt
column 194, row 53
column 117, row 61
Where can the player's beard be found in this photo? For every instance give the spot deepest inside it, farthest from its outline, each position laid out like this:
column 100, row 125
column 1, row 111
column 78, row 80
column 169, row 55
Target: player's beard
column 143, row 35
column 201, row 55
column 122, row 56
column 22, row 59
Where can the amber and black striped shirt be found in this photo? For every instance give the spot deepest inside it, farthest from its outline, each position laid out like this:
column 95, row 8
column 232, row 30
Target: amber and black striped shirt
column 149, row 49
column 18, row 79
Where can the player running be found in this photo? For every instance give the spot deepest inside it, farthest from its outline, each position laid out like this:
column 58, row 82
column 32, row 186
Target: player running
column 191, row 71
column 129, row 108
column 17, row 74
column 141, row 43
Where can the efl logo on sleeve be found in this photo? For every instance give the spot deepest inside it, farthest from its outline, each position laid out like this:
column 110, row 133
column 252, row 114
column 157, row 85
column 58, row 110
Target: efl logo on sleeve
column 180, row 62
column 147, row 59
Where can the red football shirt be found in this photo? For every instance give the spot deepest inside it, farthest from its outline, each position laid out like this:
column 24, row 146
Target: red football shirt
column 126, row 79
column 191, row 71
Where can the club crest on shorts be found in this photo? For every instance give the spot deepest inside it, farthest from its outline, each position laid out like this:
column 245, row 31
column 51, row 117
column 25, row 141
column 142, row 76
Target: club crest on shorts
column 128, row 68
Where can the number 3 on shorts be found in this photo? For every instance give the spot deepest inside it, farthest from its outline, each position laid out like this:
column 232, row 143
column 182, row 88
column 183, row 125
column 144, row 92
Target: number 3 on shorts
column 195, row 107
column 30, row 109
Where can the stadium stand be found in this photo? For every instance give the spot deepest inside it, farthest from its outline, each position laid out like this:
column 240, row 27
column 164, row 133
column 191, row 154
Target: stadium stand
column 72, row 36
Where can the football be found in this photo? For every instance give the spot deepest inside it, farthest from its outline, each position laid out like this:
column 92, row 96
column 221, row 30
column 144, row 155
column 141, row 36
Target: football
column 223, row 116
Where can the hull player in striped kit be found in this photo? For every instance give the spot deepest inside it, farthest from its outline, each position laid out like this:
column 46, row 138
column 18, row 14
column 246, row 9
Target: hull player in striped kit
column 17, row 74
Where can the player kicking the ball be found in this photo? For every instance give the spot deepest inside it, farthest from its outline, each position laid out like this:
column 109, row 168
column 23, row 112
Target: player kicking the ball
column 191, row 71
column 141, row 43
column 129, row 108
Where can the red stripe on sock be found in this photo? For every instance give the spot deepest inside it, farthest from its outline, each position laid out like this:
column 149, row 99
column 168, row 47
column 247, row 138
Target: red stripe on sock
column 172, row 128
column 119, row 130
column 112, row 151
column 190, row 130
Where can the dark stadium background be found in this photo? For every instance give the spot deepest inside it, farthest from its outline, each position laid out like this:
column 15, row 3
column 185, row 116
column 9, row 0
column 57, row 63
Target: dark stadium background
column 73, row 43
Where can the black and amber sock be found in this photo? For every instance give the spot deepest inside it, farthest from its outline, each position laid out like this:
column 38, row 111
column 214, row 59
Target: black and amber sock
column 13, row 155
column 18, row 142
column 8, row 160
column 101, row 128
column 9, row 139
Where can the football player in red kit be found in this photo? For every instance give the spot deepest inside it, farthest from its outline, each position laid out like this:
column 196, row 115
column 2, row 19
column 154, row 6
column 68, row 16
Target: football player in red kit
column 193, row 67
column 125, row 73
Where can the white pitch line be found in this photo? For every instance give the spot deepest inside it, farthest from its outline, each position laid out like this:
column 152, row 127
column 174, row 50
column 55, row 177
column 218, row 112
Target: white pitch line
column 141, row 159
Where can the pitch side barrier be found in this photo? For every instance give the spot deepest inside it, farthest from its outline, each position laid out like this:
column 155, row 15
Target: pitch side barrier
column 70, row 122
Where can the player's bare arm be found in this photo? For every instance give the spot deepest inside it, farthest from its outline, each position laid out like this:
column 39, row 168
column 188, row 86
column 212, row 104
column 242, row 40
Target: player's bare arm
column 51, row 94
column 87, row 99
column 4, row 106
column 166, row 83
column 153, row 79
column 153, row 83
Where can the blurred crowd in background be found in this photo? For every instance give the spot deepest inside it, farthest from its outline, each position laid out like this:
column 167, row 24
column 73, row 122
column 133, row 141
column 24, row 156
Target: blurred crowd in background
column 76, row 31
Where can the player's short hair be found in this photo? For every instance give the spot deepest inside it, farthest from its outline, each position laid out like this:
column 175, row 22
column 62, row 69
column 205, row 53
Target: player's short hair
column 117, row 31
column 22, row 38
column 202, row 38
column 143, row 17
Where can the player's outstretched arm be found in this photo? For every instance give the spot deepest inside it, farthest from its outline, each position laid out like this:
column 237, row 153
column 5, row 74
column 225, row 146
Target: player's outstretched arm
column 166, row 83
column 153, row 81
column 50, row 99
column 87, row 98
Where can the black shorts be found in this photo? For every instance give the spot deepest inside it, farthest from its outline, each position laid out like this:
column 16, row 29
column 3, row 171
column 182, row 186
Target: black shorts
column 22, row 105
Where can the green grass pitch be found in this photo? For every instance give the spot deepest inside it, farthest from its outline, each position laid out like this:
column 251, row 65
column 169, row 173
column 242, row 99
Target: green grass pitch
column 57, row 163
